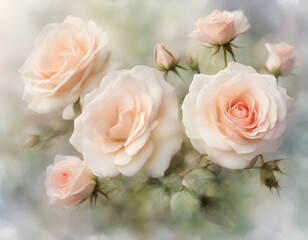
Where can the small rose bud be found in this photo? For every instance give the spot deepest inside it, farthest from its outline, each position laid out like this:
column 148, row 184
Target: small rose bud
column 165, row 59
column 31, row 141
column 281, row 58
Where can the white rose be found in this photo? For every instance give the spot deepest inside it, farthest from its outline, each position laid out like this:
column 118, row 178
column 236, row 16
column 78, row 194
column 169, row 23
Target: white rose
column 68, row 60
column 236, row 115
column 129, row 124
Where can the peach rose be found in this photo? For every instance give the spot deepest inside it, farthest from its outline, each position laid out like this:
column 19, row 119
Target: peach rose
column 236, row 115
column 69, row 181
column 129, row 124
column 164, row 59
column 68, row 60
column 281, row 59
column 220, row 28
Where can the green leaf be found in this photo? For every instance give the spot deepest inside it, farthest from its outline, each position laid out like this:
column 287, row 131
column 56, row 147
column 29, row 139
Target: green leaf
column 110, row 186
column 173, row 183
column 176, row 164
column 152, row 198
column 202, row 181
column 184, row 205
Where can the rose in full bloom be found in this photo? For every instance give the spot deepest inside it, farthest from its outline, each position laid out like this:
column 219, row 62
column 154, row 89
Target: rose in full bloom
column 68, row 60
column 281, row 58
column 220, row 28
column 165, row 59
column 129, row 124
column 236, row 115
column 69, row 181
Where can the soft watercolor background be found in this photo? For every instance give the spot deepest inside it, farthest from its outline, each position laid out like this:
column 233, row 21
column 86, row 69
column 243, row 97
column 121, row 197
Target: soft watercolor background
column 134, row 26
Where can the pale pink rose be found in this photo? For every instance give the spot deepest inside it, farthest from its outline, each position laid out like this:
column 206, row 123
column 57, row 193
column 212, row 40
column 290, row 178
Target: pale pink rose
column 281, row 58
column 236, row 115
column 165, row 59
column 69, row 181
column 68, row 60
column 129, row 124
column 220, row 28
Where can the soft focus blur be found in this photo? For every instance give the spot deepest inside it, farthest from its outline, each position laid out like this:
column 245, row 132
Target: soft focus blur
column 134, row 27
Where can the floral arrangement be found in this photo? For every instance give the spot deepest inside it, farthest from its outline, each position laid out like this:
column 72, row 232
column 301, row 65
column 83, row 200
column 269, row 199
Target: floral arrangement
column 136, row 140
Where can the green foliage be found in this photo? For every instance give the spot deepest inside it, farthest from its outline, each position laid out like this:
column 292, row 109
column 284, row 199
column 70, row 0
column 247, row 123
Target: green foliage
column 268, row 178
column 172, row 183
column 202, row 181
column 184, row 206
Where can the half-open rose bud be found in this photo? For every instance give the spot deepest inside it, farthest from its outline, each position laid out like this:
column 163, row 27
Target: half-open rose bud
column 164, row 58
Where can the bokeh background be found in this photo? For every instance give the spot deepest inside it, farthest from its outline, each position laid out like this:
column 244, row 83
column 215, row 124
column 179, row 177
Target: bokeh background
column 134, row 26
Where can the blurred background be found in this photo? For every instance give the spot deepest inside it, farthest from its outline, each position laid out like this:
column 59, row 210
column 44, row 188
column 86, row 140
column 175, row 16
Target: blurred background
column 134, row 26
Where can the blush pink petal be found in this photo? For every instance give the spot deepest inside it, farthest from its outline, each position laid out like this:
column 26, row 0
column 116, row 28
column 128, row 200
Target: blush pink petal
column 67, row 61
column 236, row 115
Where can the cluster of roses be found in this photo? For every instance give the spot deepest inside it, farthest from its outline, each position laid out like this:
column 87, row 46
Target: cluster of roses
column 127, row 121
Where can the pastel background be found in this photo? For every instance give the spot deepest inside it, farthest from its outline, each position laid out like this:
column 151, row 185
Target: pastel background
column 134, row 27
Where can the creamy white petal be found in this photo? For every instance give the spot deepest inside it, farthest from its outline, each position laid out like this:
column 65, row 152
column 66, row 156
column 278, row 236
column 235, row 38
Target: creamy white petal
column 240, row 22
column 102, row 165
column 138, row 161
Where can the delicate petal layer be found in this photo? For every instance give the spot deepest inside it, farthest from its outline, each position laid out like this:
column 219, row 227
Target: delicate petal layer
column 236, row 115
column 69, row 59
column 129, row 124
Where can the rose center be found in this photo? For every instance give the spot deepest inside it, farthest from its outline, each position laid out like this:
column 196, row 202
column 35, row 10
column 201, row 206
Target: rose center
column 239, row 110
column 63, row 179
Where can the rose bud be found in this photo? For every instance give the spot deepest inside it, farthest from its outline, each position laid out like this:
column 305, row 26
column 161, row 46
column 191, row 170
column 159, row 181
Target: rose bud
column 69, row 181
column 220, row 28
column 281, row 58
column 165, row 59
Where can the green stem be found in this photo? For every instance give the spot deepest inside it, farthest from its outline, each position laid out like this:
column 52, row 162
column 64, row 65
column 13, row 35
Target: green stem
column 225, row 58
column 178, row 74
column 184, row 68
column 165, row 74
column 277, row 78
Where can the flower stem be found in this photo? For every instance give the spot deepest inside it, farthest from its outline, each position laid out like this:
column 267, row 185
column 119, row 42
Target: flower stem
column 225, row 58
column 178, row 74
column 277, row 78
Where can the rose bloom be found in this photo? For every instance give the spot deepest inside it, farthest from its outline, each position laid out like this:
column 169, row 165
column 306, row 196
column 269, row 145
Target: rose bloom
column 69, row 181
column 220, row 28
column 164, row 59
column 68, row 60
column 281, row 58
column 236, row 115
column 129, row 124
